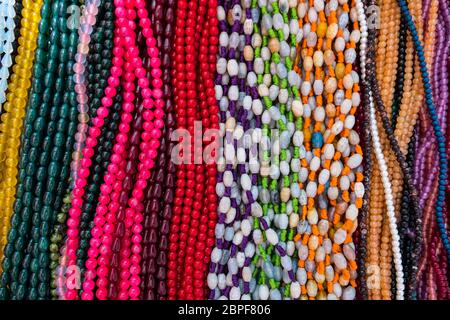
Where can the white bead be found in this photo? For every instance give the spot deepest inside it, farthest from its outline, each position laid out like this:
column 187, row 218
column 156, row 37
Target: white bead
column 328, row 151
column 339, row 261
column 314, row 165
column 246, row 182
column 346, row 105
column 301, row 276
column 324, row 176
column 311, row 189
column 312, row 216
column 249, row 250
column 283, row 221
column 227, row 178
column 258, row 66
column 339, row 236
column 284, row 168
column 231, row 214
column 319, row 114
column 248, row 26
column 318, row 87
column 351, row 213
column 221, row 66
column 232, row 67
column 320, row 254
column 241, row 155
column 339, row 44
column 257, row 237
column 240, row 259
column 271, row 236
column 257, row 107
column 349, row 252
column 265, row 119
column 333, row 193
column 235, row 293
column 337, row 128
column 295, row 290
column 311, row 288
column 212, row 281
column 336, row 168
column 290, row 248
column 349, row 293
column 256, row 209
column 216, row 254
column 224, row 204
column 297, row 139
column 359, row 189
column 353, row 137
column 349, row 121
column 222, row 282
column 246, row 274
column 246, row 227
column 323, row 226
column 344, row 183
column 354, row 161
column 263, row 291
column 286, row 262
column 337, row 289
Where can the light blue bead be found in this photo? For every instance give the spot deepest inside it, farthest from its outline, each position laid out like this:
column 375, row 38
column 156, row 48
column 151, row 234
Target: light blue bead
column 317, row 140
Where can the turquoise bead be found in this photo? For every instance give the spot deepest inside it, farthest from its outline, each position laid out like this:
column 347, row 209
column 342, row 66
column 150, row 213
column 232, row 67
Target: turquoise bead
column 317, row 140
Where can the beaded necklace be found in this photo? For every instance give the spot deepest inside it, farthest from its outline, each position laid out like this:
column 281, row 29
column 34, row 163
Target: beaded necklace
column 387, row 43
column 194, row 173
column 99, row 59
column 41, row 186
column 7, row 16
column 194, row 215
column 14, row 112
column 430, row 258
column 229, row 93
column 400, row 72
column 87, row 20
column 159, row 194
column 210, row 120
column 180, row 101
column 126, row 64
column 242, row 112
column 376, row 144
column 278, row 87
column 341, row 176
column 201, row 224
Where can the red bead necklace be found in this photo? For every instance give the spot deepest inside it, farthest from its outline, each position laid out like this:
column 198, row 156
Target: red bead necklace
column 179, row 90
column 195, row 204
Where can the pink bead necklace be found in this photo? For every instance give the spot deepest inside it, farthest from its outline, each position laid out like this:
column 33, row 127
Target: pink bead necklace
column 127, row 66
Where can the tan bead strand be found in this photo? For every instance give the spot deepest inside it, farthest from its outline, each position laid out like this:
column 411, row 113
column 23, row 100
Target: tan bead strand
column 387, row 49
column 374, row 232
column 403, row 130
column 415, row 6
